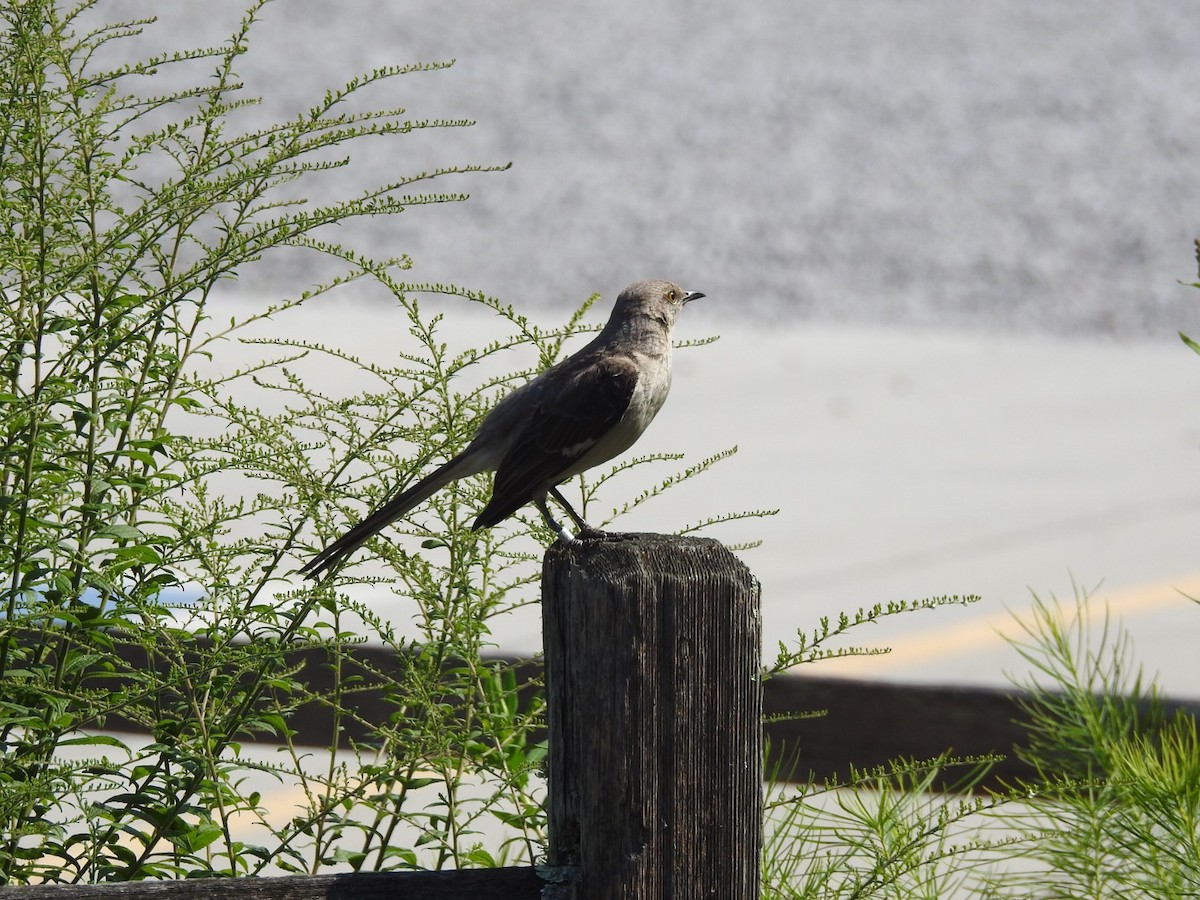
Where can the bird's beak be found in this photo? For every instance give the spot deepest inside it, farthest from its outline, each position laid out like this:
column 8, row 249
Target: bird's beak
column 692, row 295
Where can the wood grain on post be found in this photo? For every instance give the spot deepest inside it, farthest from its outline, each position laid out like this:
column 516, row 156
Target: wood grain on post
column 652, row 647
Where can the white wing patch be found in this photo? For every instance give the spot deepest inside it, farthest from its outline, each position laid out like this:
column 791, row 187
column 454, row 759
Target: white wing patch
column 577, row 450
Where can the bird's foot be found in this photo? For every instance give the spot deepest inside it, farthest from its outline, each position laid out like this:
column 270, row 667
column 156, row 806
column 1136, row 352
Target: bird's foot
column 588, row 534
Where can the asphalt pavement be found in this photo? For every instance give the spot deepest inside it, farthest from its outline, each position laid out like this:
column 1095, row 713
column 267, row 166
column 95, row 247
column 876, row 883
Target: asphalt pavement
column 908, row 464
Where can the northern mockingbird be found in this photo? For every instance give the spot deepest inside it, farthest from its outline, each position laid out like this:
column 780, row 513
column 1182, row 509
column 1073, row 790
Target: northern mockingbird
column 577, row 414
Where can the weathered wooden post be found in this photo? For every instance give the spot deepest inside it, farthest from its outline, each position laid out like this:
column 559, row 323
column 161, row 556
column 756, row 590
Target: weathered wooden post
column 652, row 648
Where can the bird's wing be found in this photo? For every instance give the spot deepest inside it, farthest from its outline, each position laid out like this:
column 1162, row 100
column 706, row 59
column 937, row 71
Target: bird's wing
column 564, row 425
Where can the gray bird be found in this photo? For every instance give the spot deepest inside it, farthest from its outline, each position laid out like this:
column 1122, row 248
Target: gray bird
column 579, row 413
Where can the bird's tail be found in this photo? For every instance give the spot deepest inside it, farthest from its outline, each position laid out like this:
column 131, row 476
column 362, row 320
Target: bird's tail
column 393, row 509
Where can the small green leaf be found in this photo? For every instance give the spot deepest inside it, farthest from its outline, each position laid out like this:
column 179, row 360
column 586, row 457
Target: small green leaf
column 137, row 554
column 121, row 532
column 92, row 740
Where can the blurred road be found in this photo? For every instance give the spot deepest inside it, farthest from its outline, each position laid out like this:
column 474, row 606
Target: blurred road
column 1027, row 166
column 943, row 243
column 907, row 465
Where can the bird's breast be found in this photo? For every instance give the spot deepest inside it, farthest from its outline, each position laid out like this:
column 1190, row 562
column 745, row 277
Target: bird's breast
column 647, row 399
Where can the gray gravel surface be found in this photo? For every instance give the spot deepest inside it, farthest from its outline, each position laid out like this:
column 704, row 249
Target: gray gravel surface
column 1025, row 166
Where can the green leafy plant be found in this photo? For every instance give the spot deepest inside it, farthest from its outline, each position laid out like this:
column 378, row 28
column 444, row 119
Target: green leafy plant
column 1112, row 810
column 1117, row 811
column 812, row 646
column 884, row 832
column 887, row 832
column 155, row 502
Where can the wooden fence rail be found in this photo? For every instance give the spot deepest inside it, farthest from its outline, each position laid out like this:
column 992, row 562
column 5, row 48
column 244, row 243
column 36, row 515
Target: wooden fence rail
column 522, row 883
column 866, row 723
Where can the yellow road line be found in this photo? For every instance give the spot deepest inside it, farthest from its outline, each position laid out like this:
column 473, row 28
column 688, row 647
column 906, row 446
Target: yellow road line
column 984, row 633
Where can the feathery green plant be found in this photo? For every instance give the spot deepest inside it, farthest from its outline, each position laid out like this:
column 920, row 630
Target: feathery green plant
column 154, row 505
column 1113, row 810
column 1117, row 809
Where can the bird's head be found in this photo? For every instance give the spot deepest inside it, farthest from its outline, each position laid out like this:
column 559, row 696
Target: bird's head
column 655, row 299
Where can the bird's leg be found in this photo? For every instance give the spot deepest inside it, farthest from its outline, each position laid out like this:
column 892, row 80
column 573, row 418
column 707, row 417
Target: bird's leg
column 564, row 535
column 585, row 530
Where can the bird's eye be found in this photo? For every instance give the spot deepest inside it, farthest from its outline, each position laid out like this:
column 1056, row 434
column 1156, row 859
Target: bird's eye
column 671, row 295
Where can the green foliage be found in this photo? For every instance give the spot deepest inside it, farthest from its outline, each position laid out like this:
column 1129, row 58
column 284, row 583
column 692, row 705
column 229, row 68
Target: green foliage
column 1112, row 812
column 884, row 833
column 155, row 505
column 115, row 235
column 1117, row 812
column 810, row 647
